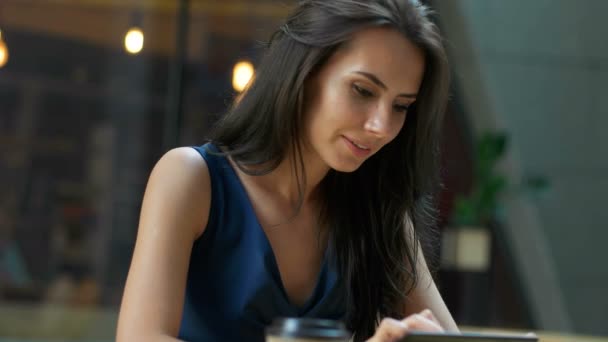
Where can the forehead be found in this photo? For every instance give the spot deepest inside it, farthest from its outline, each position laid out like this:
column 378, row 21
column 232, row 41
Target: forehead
column 384, row 52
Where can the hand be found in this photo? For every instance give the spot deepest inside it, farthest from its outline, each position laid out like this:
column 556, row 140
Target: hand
column 391, row 330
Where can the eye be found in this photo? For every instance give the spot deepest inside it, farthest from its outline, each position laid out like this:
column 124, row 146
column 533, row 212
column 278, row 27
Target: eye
column 362, row 91
column 401, row 108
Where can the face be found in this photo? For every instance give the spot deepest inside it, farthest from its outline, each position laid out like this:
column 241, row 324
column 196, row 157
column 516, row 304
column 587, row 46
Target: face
column 357, row 102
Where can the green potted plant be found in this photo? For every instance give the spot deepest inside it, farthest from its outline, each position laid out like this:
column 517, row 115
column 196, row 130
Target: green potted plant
column 466, row 243
column 479, row 207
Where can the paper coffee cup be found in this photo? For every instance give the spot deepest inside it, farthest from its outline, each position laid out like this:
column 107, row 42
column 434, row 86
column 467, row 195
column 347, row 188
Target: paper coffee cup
column 306, row 330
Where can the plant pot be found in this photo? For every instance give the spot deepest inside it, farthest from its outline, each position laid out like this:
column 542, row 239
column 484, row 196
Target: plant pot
column 466, row 249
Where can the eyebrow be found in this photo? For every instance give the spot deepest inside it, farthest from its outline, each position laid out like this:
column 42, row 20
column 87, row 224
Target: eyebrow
column 379, row 83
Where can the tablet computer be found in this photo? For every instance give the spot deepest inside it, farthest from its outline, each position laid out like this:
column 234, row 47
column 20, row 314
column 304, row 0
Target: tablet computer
column 466, row 337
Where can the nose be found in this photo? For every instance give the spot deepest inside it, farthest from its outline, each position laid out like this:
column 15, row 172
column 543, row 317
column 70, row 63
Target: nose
column 379, row 122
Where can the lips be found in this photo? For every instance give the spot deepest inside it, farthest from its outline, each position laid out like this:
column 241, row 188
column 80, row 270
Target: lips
column 359, row 149
column 359, row 144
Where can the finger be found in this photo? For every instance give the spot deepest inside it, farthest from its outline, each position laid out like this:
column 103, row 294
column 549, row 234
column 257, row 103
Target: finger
column 436, row 325
column 427, row 313
column 390, row 330
column 421, row 323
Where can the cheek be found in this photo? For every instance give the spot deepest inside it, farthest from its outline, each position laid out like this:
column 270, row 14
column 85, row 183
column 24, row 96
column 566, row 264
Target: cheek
column 398, row 125
column 331, row 109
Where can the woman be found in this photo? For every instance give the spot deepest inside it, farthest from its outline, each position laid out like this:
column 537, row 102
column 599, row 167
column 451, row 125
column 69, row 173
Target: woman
column 312, row 194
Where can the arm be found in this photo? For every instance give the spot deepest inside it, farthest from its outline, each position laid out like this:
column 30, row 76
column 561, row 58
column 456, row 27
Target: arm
column 174, row 213
column 426, row 296
column 425, row 309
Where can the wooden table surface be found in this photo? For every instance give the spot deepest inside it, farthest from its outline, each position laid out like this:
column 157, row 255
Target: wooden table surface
column 543, row 336
column 20, row 322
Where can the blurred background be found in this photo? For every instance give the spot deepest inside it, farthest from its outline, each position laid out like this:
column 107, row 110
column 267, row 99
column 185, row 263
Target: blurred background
column 93, row 92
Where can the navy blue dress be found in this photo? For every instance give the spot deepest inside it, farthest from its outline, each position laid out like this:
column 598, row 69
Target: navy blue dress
column 234, row 289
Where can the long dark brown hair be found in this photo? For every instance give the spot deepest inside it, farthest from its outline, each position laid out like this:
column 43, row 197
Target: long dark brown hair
column 370, row 212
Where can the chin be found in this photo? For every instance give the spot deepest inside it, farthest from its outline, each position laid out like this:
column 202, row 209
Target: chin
column 340, row 161
column 346, row 166
column 345, row 170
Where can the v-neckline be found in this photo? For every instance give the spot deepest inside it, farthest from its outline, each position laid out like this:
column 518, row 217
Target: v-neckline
column 269, row 252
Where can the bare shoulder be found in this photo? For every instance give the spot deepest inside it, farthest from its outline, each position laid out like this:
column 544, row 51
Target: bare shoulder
column 184, row 160
column 181, row 180
column 174, row 213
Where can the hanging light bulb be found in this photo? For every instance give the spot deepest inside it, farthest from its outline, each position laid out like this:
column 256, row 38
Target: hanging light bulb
column 134, row 38
column 3, row 51
column 241, row 75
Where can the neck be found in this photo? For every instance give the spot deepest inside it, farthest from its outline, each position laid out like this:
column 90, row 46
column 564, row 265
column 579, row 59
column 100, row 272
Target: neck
column 284, row 182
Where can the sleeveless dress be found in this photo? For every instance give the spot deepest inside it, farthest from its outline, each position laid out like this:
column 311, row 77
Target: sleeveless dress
column 234, row 288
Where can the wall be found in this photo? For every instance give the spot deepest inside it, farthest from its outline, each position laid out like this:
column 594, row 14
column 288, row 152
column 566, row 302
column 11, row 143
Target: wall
column 539, row 69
